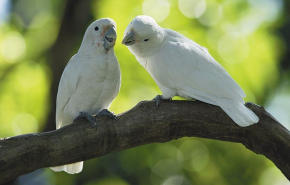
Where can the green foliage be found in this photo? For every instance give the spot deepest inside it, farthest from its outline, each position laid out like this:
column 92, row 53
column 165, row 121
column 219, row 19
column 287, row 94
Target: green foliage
column 241, row 36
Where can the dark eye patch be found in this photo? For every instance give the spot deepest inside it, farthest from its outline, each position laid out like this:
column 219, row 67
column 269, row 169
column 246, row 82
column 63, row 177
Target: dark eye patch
column 146, row 40
column 96, row 28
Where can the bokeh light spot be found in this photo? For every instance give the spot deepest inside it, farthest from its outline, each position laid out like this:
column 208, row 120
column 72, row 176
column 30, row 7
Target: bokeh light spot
column 192, row 8
column 193, row 155
column 158, row 10
column 176, row 180
column 266, row 10
column 212, row 37
column 212, row 15
column 24, row 123
column 29, row 75
column 233, row 48
column 272, row 176
column 13, row 46
column 35, row 8
column 108, row 181
column 279, row 107
column 166, row 167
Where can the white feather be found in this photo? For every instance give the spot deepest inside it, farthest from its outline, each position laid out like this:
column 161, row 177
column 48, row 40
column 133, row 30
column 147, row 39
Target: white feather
column 89, row 83
column 69, row 168
column 184, row 68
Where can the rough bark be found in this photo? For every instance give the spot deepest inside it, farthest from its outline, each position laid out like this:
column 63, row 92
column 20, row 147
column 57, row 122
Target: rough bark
column 142, row 125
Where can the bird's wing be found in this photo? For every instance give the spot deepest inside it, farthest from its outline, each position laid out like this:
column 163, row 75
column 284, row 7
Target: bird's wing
column 192, row 69
column 66, row 88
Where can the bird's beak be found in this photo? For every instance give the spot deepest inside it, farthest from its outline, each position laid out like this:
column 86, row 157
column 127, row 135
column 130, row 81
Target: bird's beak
column 110, row 37
column 129, row 39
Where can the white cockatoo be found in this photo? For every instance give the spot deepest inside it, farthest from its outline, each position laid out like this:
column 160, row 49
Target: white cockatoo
column 181, row 67
column 90, row 81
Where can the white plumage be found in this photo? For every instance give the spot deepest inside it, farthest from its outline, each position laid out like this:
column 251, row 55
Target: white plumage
column 181, row 67
column 90, row 81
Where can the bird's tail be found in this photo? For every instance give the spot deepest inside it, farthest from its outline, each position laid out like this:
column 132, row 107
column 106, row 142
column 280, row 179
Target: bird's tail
column 69, row 168
column 238, row 112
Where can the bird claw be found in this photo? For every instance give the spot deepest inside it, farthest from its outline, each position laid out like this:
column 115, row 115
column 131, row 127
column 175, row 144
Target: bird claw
column 158, row 98
column 87, row 116
column 106, row 112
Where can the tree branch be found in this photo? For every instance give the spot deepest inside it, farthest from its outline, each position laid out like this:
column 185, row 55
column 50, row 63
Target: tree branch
column 142, row 125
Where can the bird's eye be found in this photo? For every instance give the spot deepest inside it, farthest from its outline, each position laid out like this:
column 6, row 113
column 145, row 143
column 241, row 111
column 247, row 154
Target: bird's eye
column 146, row 40
column 96, row 28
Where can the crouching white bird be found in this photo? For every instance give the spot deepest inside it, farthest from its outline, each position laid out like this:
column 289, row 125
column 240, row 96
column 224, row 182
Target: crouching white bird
column 90, row 81
column 181, row 67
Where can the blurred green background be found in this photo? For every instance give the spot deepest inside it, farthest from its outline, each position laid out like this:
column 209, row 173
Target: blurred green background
column 250, row 38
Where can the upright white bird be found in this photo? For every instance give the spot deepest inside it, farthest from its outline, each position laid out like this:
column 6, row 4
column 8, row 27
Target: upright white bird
column 181, row 67
column 90, row 81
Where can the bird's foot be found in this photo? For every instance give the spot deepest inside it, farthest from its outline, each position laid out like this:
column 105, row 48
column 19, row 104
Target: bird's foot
column 158, row 98
column 87, row 116
column 106, row 112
